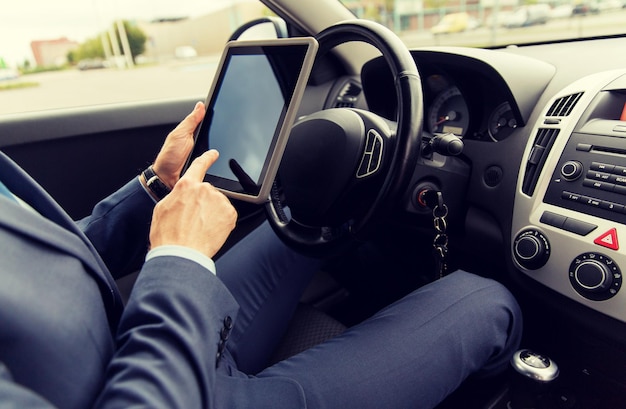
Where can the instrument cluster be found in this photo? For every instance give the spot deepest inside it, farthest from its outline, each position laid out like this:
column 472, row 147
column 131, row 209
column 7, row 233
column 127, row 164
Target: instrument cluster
column 465, row 111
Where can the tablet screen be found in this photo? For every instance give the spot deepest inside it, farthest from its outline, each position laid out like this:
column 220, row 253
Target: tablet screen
column 250, row 110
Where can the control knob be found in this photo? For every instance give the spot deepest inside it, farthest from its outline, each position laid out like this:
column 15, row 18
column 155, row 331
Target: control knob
column 595, row 276
column 571, row 170
column 531, row 249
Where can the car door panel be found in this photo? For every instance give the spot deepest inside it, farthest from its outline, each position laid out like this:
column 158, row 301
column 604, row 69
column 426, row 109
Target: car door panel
column 90, row 151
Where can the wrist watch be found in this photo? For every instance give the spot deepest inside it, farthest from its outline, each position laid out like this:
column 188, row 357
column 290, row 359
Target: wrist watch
column 154, row 184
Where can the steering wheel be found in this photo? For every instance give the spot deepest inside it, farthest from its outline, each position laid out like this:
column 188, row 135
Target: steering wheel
column 342, row 166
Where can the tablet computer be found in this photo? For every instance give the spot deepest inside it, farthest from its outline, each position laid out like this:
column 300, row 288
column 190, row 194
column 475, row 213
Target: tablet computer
column 250, row 109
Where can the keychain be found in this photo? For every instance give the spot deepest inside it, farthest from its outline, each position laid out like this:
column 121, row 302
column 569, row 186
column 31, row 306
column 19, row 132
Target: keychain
column 434, row 200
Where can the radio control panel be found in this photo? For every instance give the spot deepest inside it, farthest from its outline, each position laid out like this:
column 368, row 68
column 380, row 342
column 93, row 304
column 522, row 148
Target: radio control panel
column 590, row 177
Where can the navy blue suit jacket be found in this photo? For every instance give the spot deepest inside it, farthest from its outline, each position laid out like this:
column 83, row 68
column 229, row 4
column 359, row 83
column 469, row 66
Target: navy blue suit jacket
column 67, row 341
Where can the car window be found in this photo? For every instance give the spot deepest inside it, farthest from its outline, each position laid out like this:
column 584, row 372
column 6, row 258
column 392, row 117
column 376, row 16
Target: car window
column 493, row 23
column 59, row 54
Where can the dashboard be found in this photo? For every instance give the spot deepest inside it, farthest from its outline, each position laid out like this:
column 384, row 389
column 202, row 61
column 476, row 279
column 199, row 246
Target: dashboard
column 541, row 182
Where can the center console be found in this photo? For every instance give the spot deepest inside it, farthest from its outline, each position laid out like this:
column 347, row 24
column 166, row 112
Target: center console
column 570, row 206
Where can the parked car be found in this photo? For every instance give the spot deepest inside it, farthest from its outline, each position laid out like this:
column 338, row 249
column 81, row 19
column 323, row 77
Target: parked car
column 8, row 74
column 608, row 5
column 528, row 15
column 561, row 11
column 185, row 52
column 584, row 8
column 91, row 64
column 454, row 23
column 536, row 199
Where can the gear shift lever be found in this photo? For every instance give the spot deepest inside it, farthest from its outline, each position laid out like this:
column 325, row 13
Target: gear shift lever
column 533, row 374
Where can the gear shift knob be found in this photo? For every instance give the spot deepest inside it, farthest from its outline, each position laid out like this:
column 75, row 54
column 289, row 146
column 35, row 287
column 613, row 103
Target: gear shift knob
column 534, row 366
column 533, row 373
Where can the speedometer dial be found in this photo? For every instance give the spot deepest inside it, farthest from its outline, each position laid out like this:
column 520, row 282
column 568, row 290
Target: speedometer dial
column 449, row 113
column 502, row 123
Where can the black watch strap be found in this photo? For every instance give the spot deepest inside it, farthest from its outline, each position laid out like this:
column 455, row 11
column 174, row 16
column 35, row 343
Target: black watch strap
column 154, row 184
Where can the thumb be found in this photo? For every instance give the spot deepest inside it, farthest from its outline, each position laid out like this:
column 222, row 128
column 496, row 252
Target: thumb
column 191, row 121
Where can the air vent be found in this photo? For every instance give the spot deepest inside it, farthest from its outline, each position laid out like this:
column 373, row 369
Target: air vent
column 564, row 105
column 348, row 96
column 543, row 143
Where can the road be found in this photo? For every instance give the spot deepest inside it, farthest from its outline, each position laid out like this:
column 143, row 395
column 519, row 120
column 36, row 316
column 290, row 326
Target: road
column 192, row 78
column 72, row 88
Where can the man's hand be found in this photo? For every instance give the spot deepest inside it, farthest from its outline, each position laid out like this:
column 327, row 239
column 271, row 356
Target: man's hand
column 177, row 147
column 195, row 214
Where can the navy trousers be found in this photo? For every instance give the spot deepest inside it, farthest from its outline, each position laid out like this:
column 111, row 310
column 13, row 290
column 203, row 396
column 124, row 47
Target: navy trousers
column 412, row 354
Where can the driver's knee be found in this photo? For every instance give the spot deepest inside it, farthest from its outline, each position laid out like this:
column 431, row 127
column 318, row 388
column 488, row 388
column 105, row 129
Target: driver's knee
column 500, row 317
column 478, row 315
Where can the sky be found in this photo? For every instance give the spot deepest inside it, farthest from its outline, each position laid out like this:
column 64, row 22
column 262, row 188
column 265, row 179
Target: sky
column 23, row 21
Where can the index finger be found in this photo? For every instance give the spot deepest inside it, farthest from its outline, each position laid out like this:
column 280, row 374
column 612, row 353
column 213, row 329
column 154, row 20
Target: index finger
column 200, row 165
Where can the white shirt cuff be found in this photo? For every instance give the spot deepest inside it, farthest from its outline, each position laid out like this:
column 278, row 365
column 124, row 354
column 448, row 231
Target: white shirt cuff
column 182, row 252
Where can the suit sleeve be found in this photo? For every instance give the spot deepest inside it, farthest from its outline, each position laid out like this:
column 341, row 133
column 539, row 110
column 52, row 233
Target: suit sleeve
column 173, row 329
column 119, row 226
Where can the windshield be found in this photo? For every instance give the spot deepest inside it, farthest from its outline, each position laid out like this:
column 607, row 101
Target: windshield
column 493, row 23
column 75, row 53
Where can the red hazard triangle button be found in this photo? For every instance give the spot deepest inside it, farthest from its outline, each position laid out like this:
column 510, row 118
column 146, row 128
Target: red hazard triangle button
column 608, row 240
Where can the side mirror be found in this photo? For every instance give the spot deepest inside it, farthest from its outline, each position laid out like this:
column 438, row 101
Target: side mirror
column 261, row 29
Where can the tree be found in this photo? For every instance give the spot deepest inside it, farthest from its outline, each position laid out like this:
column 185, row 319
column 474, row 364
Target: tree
column 93, row 49
column 136, row 39
column 90, row 49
